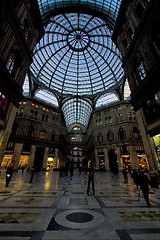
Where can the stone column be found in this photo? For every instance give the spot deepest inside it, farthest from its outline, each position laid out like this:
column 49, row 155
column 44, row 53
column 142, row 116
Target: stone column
column 106, row 159
column 16, row 155
column 7, row 131
column 96, row 159
column 31, row 157
column 133, row 157
column 45, row 158
column 119, row 159
column 148, row 146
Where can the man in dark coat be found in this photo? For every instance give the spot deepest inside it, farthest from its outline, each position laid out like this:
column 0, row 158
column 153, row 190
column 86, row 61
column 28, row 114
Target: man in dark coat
column 91, row 179
column 144, row 182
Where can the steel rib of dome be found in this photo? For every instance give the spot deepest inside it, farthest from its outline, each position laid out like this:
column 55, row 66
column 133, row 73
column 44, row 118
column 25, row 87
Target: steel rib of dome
column 106, row 9
column 76, row 56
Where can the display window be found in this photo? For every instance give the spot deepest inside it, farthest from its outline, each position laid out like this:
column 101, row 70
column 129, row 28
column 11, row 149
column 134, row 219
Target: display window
column 6, row 161
column 156, row 140
column 143, row 162
column 126, row 162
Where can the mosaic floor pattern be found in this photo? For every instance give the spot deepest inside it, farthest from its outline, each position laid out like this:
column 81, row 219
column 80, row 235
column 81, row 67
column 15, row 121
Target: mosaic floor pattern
column 54, row 207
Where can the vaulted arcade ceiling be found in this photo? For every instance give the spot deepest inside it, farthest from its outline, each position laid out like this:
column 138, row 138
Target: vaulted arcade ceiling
column 76, row 59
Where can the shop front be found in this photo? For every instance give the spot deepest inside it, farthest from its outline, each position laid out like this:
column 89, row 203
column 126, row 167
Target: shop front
column 143, row 162
column 50, row 162
column 6, row 161
column 126, row 162
column 156, row 140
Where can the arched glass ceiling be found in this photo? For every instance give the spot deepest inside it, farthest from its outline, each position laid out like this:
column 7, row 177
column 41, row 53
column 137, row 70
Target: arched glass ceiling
column 107, row 9
column 76, row 56
column 106, row 99
column 76, row 110
column 127, row 91
column 47, row 97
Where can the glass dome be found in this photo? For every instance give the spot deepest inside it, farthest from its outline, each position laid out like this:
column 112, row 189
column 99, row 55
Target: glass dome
column 76, row 56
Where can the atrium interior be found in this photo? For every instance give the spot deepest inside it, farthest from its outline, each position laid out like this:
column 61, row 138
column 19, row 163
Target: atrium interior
column 79, row 87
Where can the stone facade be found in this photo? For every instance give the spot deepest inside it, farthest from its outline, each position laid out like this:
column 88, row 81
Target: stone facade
column 136, row 34
column 38, row 128
column 114, row 139
column 20, row 30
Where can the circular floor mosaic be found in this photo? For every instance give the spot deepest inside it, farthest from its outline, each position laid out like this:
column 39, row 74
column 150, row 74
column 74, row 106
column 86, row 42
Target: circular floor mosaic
column 81, row 219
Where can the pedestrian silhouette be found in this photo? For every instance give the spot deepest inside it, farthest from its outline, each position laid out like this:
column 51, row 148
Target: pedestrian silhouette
column 144, row 183
column 91, row 180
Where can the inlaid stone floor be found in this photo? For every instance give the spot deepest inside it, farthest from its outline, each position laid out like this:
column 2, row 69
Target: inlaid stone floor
column 54, row 208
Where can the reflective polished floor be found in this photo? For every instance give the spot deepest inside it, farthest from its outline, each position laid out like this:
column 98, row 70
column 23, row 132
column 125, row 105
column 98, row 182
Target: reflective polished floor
column 58, row 208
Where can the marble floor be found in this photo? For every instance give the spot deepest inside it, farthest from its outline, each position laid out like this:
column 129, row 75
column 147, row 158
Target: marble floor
column 54, row 207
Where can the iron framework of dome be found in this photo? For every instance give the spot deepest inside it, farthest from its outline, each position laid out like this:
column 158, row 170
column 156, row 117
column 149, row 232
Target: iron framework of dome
column 76, row 57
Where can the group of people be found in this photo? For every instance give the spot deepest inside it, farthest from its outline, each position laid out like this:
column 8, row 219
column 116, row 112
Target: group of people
column 140, row 180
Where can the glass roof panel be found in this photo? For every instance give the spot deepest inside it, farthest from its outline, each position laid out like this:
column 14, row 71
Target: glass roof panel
column 106, row 99
column 107, row 9
column 77, row 110
column 47, row 97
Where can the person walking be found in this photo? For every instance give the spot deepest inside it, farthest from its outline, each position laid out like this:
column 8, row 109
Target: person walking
column 91, row 180
column 135, row 176
column 144, row 182
column 124, row 172
column 8, row 175
column 32, row 174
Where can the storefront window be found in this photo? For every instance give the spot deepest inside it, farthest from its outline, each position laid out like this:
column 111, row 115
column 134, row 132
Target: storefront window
column 156, row 140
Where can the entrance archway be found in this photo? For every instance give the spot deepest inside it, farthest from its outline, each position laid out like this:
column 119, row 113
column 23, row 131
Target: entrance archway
column 38, row 160
column 113, row 164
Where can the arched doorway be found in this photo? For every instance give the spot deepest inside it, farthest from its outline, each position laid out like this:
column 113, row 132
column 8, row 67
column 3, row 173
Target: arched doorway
column 38, row 160
column 113, row 164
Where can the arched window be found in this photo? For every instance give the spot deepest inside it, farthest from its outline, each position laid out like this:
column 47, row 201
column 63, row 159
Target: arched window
column 46, row 118
column 110, row 120
column 120, row 117
column 121, row 134
column 110, row 136
column 100, row 138
column 43, row 134
column 134, row 116
column 14, row 62
column 136, row 133
column 97, row 123
column 53, row 136
column 14, row 129
column 30, row 131
column 117, row 118
column 11, row 64
column 100, row 122
column 106, row 120
column 141, row 70
column 129, row 116
column 43, row 117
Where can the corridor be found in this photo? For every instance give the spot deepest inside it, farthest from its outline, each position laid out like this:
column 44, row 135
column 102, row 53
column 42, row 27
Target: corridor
column 54, row 207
